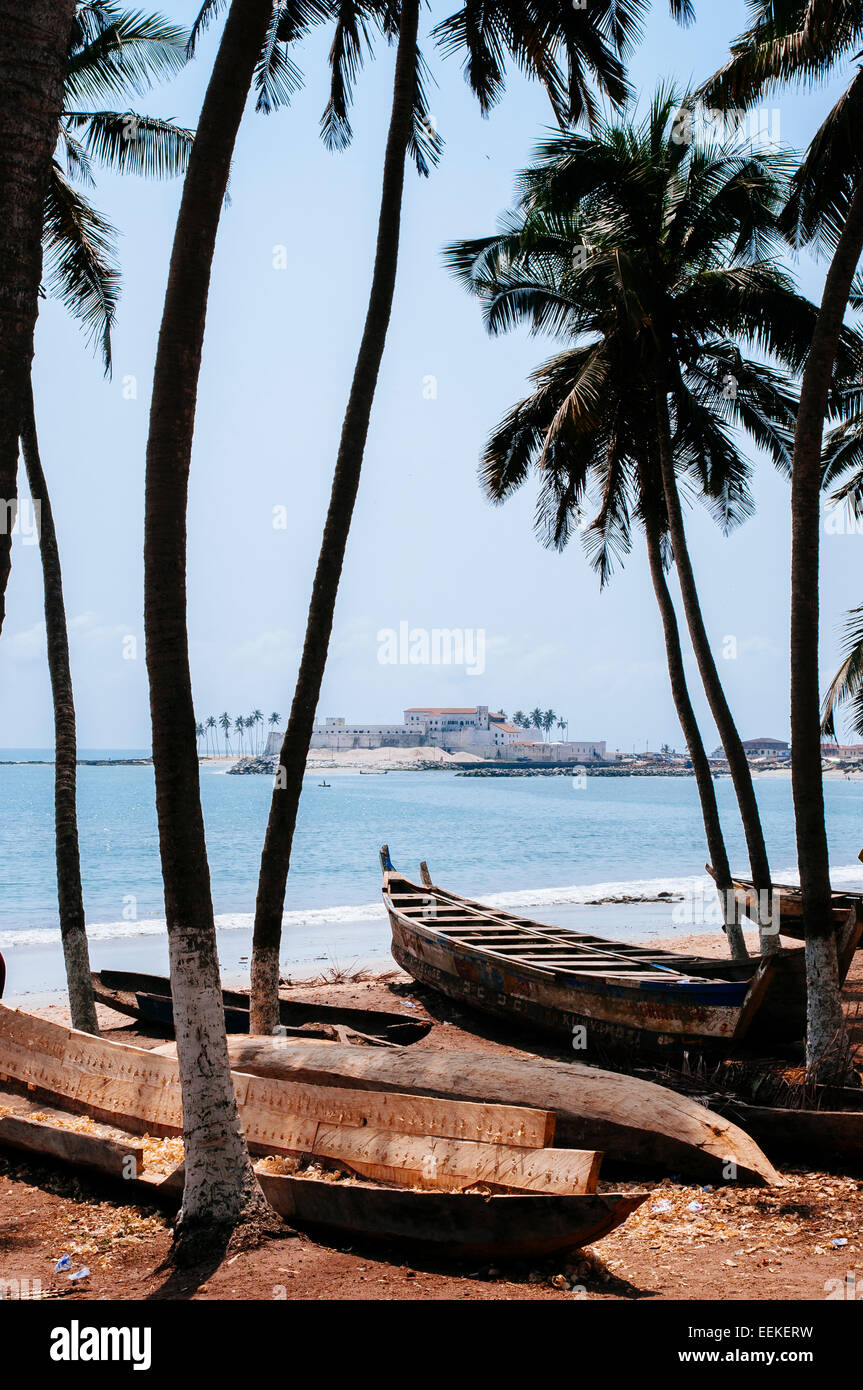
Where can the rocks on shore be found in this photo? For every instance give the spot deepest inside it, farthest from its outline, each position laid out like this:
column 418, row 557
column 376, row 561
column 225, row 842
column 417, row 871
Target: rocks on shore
column 264, row 763
column 576, row 769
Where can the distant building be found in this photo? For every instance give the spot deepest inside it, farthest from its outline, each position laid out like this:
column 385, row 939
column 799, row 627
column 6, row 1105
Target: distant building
column 475, row 730
column 766, row 748
column 845, row 752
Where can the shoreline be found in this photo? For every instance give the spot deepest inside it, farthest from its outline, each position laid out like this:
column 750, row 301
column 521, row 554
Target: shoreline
column 377, row 761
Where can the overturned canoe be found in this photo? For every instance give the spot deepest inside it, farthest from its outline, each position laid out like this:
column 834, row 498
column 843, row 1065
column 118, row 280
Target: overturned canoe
column 634, row 1122
column 613, row 997
column 148, row 997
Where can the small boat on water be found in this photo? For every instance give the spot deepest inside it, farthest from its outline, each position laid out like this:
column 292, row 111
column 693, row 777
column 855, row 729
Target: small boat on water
column 607, row 997
column 148, row 997
column 450, row 1176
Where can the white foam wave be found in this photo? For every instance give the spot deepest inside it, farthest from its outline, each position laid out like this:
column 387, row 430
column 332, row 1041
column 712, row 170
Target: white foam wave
column 691, row 886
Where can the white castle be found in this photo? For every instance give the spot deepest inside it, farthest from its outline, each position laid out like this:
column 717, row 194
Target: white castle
column 478, row 730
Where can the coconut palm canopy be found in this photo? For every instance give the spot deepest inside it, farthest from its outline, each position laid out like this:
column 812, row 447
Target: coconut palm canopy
column 114, row 55
column 805, row 42
column 651, row 257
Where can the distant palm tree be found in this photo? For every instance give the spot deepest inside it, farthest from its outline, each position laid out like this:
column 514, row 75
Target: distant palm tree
column 258, row 719
column 211, row 736
column 548, row 720
column 536, row 718
column 199, row 734
column 562, row 725
column 225, row 722
column 240, row 729
column 518, row 719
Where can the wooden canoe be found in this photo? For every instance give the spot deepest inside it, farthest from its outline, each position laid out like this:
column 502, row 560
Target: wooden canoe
column 829, row 1137
column 637, row 1124
column 790, row 906
column 605, row 997
column 148, row 997
column 412, row 1147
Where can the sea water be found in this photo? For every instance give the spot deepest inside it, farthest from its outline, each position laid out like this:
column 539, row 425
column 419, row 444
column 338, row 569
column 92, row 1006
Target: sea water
column 547, row 846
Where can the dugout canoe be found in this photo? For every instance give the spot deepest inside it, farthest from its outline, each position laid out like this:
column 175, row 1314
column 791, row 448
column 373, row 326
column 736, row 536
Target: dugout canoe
column 829, row 1138
column 412, row 1154
column 455, row 1224
column 148, row 997
column 637, row 1124
column 606, row 997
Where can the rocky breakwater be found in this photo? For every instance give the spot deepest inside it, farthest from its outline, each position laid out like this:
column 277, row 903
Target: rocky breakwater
column 245, row 767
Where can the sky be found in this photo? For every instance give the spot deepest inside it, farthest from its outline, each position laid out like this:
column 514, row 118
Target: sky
column 287, row 302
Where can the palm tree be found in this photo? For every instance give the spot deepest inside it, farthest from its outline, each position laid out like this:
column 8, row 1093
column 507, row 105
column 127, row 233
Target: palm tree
column 535, row 718
column 672, row 308
column 34, row 44
column 806, row 41
column 240, row 729
column 199, row 734
column 548, row 719
column 257, row 721
column 518, row 719
column 225, row 723
column 111, row 52
column 562, row 725
column 221, row 1191
column 591, row 41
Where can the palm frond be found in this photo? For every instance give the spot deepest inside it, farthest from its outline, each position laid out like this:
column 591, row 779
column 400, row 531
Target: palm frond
column 846, row 687
column 118, row 53
column 80, row 261
column 131, row 143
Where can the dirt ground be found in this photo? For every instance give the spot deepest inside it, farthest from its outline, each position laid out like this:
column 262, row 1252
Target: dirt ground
column 801, row 1241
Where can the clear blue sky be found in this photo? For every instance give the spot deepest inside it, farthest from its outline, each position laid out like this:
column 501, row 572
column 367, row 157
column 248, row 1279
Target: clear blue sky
column 426, row 547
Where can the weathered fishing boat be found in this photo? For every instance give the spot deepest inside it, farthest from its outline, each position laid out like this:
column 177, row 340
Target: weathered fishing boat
column 607, row 997
column 425, row 1170
column 788, row 904
column 148, row 997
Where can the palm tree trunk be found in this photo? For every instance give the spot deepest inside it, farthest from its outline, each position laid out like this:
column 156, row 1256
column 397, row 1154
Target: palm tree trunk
column 221, row 1190
column 70, row 896
column 689, row 725
column 276, row 857
column 732, row 743
column 826, row 1039
column 33, row 43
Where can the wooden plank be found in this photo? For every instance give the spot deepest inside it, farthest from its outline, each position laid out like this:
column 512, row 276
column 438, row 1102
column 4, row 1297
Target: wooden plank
column 428, row 1162
column 522, row 1127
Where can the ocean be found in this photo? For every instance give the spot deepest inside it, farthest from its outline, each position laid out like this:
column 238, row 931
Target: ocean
column 544, row 845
